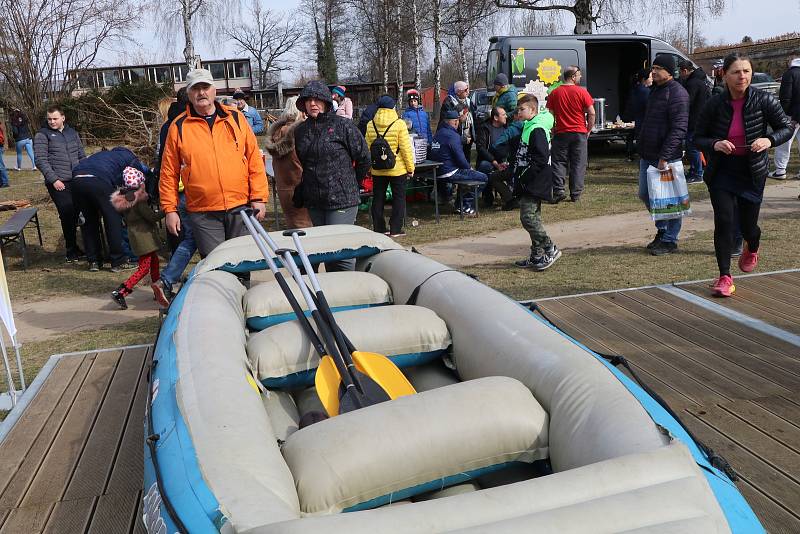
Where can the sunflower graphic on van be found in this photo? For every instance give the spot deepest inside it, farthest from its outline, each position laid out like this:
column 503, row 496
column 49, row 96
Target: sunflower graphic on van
column 549, row 71
column 518, row 63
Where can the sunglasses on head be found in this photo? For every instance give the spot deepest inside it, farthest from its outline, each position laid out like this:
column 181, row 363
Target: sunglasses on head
column 413, row 98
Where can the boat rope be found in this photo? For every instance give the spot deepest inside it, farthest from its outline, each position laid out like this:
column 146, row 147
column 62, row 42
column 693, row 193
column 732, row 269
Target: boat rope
column 714, row 458
column 412, row 300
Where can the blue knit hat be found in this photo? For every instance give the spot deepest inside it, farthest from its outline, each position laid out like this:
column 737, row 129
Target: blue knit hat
column 386, row 101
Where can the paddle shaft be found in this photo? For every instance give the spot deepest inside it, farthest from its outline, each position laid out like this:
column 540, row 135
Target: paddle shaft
column 261, row 236
column 344, row 344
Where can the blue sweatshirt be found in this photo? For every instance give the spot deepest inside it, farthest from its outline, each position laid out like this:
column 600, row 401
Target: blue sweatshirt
column 109, row 164
column 447, row 148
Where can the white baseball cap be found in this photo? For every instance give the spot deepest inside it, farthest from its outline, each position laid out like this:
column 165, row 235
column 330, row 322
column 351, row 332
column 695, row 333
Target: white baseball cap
column 196, row 76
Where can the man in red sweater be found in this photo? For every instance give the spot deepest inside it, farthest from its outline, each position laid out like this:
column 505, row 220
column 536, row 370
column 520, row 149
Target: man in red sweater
column 573, row 108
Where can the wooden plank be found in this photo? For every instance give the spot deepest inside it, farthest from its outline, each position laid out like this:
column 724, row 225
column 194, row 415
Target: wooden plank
column 749, row 370
column 97, row 458
column 789, row 279
column 126, row 475
column 70, row 516
column 741, row 303
column 673, row 386
column 722, row 332
column 115, row 513
column 652, row 340
column 57, row 467
column 784, row 431
column 674, row 336
column 28, row 428
column 15, row 489
column 782, row 407
column 778, row 289
column 774, row 518
column 138, row 522
column 750, row 468
column 745, row 290
column 735, row 327
column 27, row 519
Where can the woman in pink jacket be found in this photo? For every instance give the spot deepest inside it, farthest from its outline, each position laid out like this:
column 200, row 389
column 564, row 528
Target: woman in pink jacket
column 345, row 108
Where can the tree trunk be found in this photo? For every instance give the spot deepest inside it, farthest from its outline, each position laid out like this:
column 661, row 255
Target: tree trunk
column 188, row 51
column 437, row 56
column 583, row 17
column 462, row 55
column 399, row 22
column 415, row 31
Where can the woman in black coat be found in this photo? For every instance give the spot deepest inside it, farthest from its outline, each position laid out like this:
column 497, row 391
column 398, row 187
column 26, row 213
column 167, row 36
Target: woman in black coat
column 732, row 131
column 335, row 159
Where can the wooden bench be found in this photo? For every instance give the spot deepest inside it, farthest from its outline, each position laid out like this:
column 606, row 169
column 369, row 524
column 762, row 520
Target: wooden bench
column 13, row 231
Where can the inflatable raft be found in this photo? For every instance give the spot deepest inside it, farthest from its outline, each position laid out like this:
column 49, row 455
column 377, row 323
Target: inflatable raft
column 515, row 427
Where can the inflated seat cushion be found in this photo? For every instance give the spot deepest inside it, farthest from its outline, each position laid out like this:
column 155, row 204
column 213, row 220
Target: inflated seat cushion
column 414, row 444
column 409, row 335
column 265, row 304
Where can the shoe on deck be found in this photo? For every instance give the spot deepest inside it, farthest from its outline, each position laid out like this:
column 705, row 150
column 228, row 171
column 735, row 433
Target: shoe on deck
column 119, row 298
column 723, row 286
column 778, row 175
column 664, row 247
column 748, row 260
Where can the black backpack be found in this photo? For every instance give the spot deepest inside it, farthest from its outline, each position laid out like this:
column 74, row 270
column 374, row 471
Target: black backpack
column 382, row 155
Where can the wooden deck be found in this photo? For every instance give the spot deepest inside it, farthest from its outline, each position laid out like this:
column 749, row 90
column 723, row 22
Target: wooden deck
column 72, row 462
column 736, row 387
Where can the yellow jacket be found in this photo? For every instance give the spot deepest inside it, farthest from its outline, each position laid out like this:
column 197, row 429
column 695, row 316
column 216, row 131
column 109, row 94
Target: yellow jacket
column 397, row 137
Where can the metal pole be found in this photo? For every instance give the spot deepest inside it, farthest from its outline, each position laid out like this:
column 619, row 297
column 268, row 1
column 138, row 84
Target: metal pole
column 12, row 392
column 19, row 362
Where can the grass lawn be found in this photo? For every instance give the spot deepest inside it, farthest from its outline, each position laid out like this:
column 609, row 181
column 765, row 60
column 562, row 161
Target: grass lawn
column 609, row 268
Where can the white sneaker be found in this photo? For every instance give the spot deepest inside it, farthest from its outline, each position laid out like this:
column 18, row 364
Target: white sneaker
column 778, row 175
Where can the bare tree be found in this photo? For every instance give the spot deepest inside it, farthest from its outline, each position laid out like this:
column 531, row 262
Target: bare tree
column 463, row 17
column 693, row 11
column 588, row 14
column 328, row 21
column 188, row 15
column 268, row 36
column 415, row 29
column 376, row 27
column 41, row 40
column 437, row 55
column 399, row 78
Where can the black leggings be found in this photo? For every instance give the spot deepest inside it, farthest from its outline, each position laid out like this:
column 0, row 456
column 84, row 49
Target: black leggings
column 725, row 204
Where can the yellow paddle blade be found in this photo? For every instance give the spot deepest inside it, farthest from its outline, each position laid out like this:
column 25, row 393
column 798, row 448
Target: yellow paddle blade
column 384, row 372
column 253, row 384
column 327, row 381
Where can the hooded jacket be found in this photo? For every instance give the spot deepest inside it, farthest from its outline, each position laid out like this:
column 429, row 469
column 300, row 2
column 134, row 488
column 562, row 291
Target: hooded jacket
column 761, row 109
column 333, row 154
column 506, row 98
column 665, row 123
column 141, row 219
column 398, row 139
column 790, row 90
column 420, row 122
column 221, row 167
column 699, row 93
column 57, row 153
column 279, row 142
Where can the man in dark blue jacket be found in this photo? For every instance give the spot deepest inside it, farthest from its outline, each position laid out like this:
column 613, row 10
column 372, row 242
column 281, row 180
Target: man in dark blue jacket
column 448, row 149
column 93, row 181
column 695, row 83
column 661, row 139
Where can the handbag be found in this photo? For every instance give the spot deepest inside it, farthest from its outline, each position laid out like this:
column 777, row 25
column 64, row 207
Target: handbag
column 669, row 195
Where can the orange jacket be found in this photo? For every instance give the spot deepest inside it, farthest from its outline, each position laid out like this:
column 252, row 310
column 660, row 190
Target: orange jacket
column 220, row 168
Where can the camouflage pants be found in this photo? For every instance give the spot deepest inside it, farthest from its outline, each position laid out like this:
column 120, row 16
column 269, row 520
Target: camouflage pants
column 530, row 215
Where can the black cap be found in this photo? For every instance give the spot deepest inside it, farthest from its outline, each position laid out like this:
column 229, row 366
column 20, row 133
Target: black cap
column 665, row 61
column 501, row 79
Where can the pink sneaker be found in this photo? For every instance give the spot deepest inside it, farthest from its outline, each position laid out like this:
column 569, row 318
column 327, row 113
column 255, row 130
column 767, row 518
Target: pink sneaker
column 723, row 287
column 748, row 260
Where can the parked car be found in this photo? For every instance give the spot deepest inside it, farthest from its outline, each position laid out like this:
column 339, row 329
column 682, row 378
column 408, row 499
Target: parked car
column 483, row 104
column 765, row 82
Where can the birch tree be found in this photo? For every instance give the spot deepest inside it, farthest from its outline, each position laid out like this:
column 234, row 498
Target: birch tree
column 415, row 29
column 463, row 17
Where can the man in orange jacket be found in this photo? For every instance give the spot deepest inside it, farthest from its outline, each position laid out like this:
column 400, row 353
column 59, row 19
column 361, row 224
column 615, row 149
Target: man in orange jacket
column 214, row 152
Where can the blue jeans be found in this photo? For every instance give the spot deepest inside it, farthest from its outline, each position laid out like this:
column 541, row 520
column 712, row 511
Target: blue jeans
column 27, row 144
column 3, row 171
column 695, row 163
column 184, row 251
column 671, row 227
column 468, row 174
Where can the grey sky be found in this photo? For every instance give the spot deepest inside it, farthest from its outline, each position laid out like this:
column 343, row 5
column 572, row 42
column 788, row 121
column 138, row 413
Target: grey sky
column 757, row 18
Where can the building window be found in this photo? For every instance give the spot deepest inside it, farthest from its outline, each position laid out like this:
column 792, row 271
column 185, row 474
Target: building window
column 179, row 72
column 239, row 69
column 86, row 80
column 133, row 75
column 107, row 78
column 159, row 74
column 217, row 70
